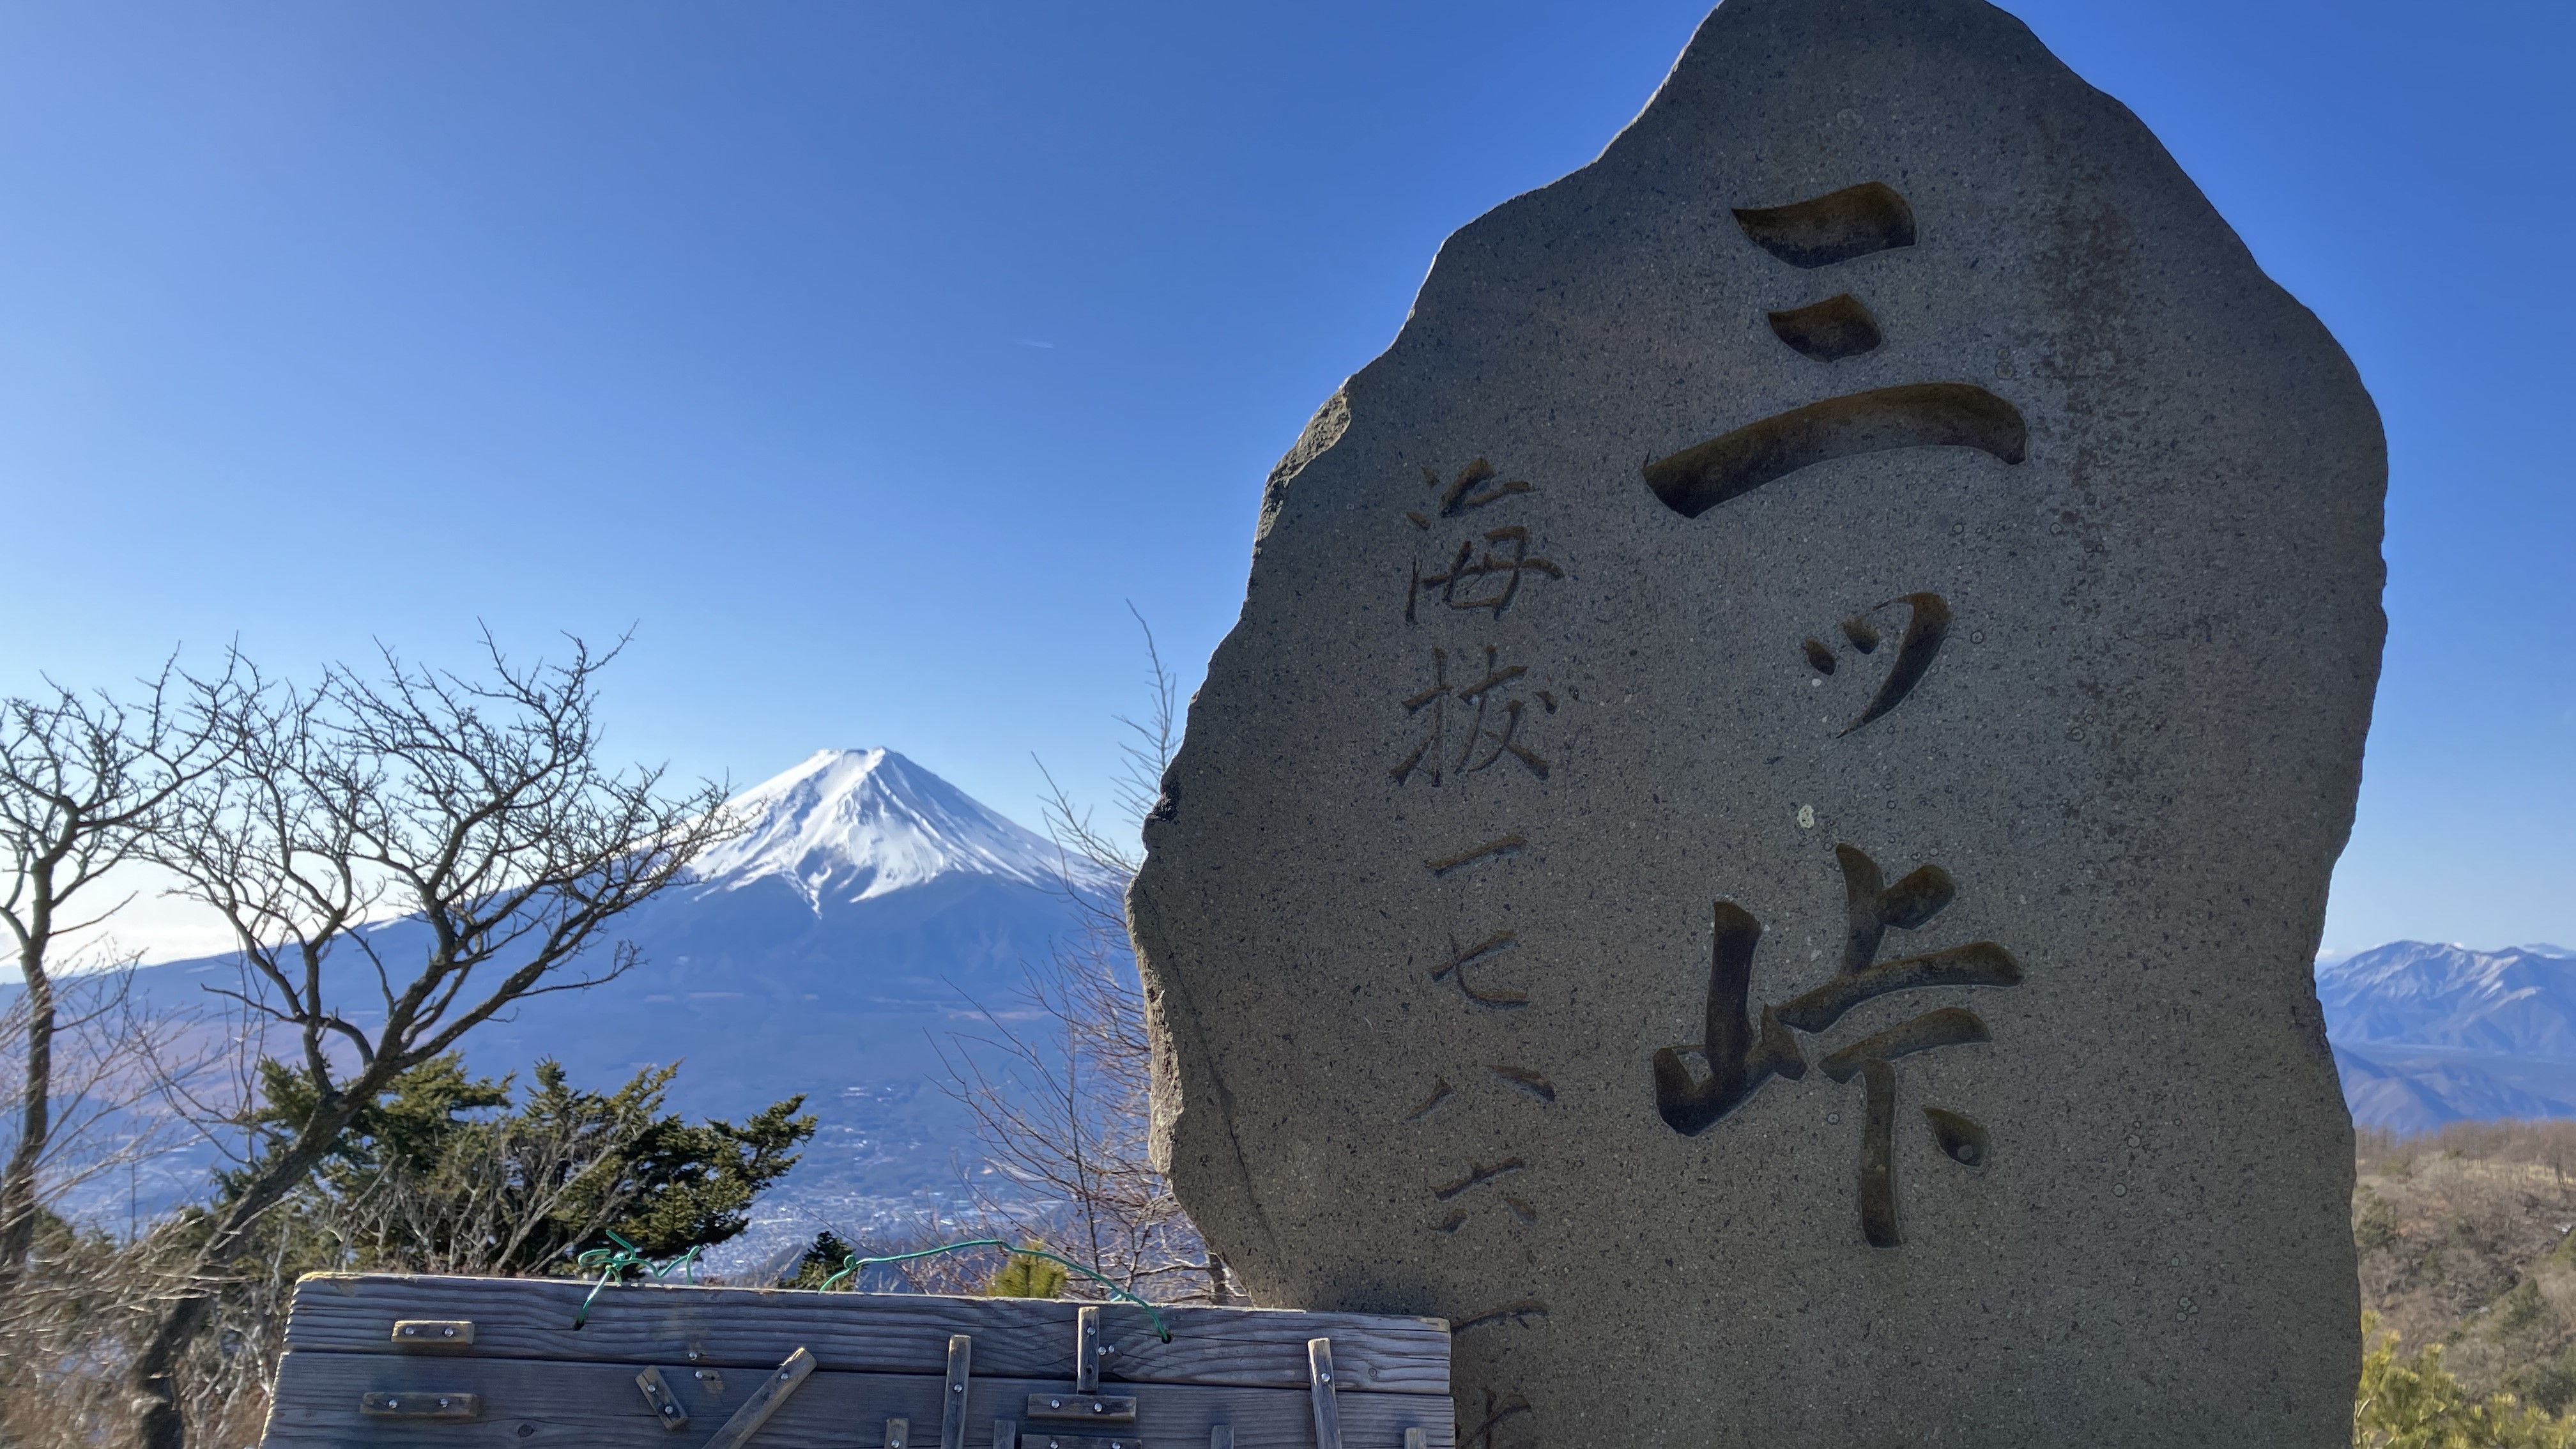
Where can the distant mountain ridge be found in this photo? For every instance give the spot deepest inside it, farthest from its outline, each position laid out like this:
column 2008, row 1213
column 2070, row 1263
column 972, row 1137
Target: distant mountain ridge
column 2521, row 1000
column 2427, row 1032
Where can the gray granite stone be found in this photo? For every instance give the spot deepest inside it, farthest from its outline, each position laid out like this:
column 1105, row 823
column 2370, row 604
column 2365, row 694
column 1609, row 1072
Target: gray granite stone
column 1759, row 840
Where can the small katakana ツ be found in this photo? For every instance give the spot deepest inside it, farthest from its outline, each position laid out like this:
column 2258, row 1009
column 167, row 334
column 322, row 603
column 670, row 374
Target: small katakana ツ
column 1471, row 725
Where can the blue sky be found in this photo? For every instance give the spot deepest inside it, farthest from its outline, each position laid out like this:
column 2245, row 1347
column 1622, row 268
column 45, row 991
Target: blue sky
column 868, row 358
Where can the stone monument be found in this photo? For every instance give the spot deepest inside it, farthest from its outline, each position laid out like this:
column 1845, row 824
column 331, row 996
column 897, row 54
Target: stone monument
column 1759, row 841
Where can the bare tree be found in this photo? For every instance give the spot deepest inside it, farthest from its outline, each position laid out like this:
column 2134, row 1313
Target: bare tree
column 479, row 812
column 114, row 1059
column 84, row 781
column 1063, row 1118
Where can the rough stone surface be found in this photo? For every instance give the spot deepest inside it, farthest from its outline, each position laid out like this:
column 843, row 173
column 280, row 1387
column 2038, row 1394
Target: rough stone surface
column 1759, row 840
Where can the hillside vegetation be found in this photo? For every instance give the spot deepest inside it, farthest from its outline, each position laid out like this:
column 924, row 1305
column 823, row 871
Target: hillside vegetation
column 2467, row 1237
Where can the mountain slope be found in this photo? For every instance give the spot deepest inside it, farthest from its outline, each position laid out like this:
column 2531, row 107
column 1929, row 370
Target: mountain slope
column 847, row 826
column 2427, row 1033
column 2517, row 1001
column 870, row 913
column 2412, row 1091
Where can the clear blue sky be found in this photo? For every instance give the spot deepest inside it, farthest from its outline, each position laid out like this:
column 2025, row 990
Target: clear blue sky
column 867, row 357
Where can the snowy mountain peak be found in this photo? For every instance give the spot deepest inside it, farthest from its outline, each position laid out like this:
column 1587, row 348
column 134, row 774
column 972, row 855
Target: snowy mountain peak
column 852, row 825
column 2429, row 994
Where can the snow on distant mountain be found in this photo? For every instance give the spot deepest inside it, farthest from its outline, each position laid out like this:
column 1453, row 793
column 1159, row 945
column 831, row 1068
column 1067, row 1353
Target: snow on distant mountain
column 854, row 825
column 2427, row 1032
column 2517, row 1001
column 870, row 913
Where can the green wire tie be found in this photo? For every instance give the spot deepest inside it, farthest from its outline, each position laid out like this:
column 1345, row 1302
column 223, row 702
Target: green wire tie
column 854, row 1264
column 613, row 1264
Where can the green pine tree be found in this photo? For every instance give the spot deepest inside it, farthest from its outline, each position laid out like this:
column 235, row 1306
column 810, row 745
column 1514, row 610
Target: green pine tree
column 451, row 1173
column 1027, row 1275
column 2416, row 1403
column 825, row 1256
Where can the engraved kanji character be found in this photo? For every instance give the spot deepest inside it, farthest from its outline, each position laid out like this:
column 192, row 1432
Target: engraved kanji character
column 1485, row 570
column 1455, row 970
column 1742, row 1055
column 1500, row 1409
column 1467, row 491
column 1488, row 727
column 1469, row 582
column 1478, row 1175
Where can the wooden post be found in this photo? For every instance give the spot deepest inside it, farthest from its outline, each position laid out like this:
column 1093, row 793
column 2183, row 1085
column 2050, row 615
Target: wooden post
column 952, row 1411
column 1328, row 1412
column 764, row 1401
column 665, row 1404
column 1086, row 1362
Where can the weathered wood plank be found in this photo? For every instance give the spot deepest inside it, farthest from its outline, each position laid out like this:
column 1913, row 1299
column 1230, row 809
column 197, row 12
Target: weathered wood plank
column 1328, row 1415
column 530, row 1404
column 665, row 1404
column 430, row 1403
column 416, row 1333
column 766, row 1400
column 952, row 1410
column 1086, row 1350
column 875, row 1332
column 1082, row 1408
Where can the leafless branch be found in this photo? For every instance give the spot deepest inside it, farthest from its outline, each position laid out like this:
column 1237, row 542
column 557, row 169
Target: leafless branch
column 1062, row 1116
column 478, row 812
column 86, row 782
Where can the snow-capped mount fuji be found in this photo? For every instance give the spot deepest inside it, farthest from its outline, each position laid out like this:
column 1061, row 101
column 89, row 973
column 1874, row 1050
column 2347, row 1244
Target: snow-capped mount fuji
column 847, row 826
column 868, row 914
column 859, row 870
